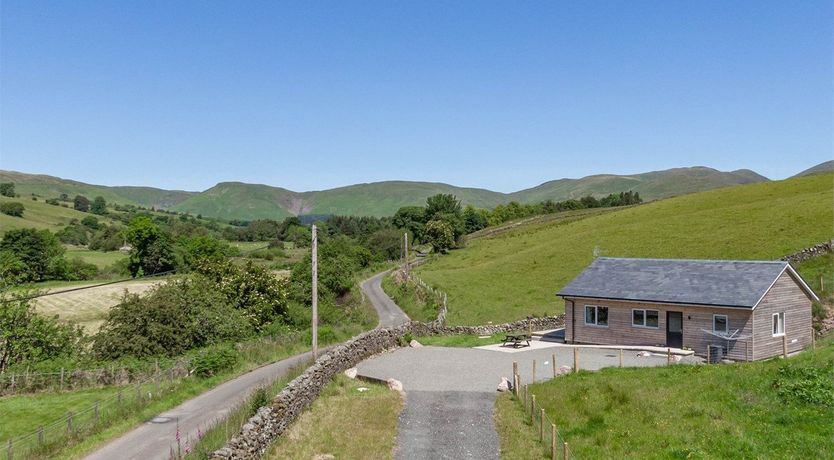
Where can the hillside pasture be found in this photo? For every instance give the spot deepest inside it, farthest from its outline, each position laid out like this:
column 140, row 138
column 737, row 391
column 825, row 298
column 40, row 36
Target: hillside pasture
column 517, row 273
column 39, row 215
column 100, row 259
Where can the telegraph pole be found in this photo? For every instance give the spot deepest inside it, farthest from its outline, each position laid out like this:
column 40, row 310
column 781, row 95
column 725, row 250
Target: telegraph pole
column 407, row 268
column 315, row 296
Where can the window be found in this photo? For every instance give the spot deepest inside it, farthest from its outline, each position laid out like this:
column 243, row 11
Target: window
column 644, row 318
column 596, row 315
column 719, row 323
column 778, row 324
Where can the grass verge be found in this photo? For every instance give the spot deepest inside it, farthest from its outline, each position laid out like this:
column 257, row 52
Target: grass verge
column 462, row 341
column 345, row 423
column 748, row 410
column 412, row 299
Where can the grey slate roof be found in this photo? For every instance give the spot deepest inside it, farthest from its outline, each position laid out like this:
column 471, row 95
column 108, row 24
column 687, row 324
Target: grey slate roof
column 729, row 283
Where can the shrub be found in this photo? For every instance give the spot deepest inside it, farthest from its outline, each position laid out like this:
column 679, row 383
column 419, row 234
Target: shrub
column 38, row 250
column 180, row 315
column 7, row 189
column 214, row 359
column 77, row 269
column 13, row 209
column 808, row 385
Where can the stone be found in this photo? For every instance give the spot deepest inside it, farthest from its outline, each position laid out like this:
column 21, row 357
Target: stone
column 351, row 373
column 324, row 457
column 394, row 385
column 504, row 385
column 564, row 370
column 415, row 344
column 644, row 354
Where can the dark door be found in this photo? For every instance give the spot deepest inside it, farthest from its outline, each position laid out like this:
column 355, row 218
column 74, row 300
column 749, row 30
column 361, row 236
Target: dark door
column 674, row 329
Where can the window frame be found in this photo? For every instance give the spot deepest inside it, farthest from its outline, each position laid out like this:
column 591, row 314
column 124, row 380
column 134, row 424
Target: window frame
column 596, row 315
column 645, row 324
column 778, row 319
column 726, row 323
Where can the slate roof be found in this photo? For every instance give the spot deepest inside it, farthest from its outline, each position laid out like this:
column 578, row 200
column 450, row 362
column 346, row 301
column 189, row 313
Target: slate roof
column 726, row 283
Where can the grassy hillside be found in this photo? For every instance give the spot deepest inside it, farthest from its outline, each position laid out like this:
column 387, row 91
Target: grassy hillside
column 651, row 185
column 517, row 273
column 826, row 166
column 53, row 187
column 40, row 215
column 772, row 409
column 236, row 200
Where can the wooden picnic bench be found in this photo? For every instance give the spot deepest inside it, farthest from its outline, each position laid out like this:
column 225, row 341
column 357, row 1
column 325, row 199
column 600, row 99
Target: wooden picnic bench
column 516, row 338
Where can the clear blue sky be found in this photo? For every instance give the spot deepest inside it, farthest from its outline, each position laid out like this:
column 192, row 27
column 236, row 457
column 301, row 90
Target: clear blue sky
column 501, row 95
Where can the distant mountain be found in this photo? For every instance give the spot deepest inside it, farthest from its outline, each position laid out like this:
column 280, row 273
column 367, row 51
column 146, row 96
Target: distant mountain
column 53, row 187
column 825, row 166
column 237, row 200
column 651, row 185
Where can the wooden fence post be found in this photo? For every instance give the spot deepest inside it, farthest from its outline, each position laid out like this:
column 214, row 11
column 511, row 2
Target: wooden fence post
column 541, row 426
column 62, row 379
column 813, row 339
column 575, row 359
column 668, row 356
column 553, row 441
column 69, row 422
column 708, row 357
column 785, row 346
column 533, row 410
column 822, row 283
column 40, row 435
column 621, row 357
column 10, row 450
column 554, row 365
column 565, row 451
column 534, row 371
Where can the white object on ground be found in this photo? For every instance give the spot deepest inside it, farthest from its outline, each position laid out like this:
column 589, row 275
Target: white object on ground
column 484, row 336
column 644, row 354
column 504, row 385
column 395, row 385
column 565, row 369
column 351, row 373
column 362, row 389
column 415, row 344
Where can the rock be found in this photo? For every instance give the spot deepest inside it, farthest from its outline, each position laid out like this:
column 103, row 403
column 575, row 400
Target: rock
column 415, row 344
column 248, row 427
column 395, row 385
column 323, row 457
column 644, row 354
column 504, row 385
column 362, row 389
column 565, row 370
column 351, row 373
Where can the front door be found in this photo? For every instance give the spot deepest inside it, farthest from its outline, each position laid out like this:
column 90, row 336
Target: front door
column 674, row 329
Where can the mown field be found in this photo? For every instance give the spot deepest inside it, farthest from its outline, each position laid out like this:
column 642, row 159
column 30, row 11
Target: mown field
column 344, row 423
column 517, row 273
column 100, row 259
column 771, row 409
column 38, row 214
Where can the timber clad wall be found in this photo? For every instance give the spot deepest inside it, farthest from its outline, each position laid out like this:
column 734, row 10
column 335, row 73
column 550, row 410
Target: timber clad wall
column 785, row 296
column 621, row 332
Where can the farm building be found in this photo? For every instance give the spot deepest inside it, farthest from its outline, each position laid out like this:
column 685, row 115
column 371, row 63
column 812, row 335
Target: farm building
column 750, row 309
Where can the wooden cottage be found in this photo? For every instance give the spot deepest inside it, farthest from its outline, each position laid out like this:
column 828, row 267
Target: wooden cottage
column 750, row 309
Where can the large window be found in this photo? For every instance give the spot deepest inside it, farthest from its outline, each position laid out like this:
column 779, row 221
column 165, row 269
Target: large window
column 644, row 318
column 719, row 323
column 779, row 324
column 596, row 315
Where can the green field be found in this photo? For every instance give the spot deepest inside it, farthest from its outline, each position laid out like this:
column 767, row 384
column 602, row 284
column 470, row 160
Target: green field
column 344, row 423
column 517, row 273
column 38, row 214
column 746, row 410
column 100, row 259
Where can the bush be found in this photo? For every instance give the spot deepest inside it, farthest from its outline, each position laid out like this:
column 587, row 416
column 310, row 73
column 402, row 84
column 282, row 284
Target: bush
column 7, row 189
column 808, row 385
column 77, row 270
column 180, row 315
column 326, row 335
column 818, row 314
column 213, row 360
column 13, row 209
column 26, row 336
column 38, row 251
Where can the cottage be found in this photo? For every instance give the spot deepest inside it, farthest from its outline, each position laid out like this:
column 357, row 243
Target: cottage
column 743, row 307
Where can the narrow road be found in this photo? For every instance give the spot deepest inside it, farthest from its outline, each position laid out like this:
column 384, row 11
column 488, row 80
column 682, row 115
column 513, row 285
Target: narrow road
column 390, row 315
column 154, row 439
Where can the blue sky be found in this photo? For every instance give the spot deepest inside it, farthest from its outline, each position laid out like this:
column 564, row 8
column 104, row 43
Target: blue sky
column 500, row 95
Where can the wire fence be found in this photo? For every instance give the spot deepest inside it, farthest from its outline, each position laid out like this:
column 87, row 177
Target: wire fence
column 554, row 444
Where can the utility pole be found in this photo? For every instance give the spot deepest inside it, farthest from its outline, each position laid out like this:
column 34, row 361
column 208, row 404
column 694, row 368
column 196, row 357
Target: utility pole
column 315, row 296
column 407, row 268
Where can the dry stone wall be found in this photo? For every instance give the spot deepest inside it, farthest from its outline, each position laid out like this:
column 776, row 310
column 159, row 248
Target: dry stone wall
column 810, row 253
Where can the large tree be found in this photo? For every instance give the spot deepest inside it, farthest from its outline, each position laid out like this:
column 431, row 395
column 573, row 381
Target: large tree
column 38, row 251
column 81, row 203
column 7, row 189
column 99, row 206
column 151, row 251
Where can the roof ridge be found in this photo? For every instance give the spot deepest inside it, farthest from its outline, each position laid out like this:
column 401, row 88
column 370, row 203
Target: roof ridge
column 778, row 262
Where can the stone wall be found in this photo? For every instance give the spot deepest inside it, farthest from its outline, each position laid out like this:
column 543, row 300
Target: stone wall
column 810, row 253
column 533, row 324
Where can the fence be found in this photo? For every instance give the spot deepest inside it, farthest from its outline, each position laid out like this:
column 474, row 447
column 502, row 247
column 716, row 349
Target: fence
column 439, row 296
column 76, row 425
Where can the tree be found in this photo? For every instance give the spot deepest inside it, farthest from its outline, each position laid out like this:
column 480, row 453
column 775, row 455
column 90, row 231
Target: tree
column 201, row 248
column 440, row 235
column 26, row 336
column 81, row 203
column 474, row 219
column 152, row 252
column 38, row 250
column 411, row 218
column 99, row 206
column 7, row 189
column 13, row 209
column 442, row 204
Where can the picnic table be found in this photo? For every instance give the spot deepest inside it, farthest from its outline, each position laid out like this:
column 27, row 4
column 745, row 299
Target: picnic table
column 516, row 338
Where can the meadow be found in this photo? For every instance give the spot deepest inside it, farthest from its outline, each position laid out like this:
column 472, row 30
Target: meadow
column 517, row 273
column 770, row 409
column 39, row 215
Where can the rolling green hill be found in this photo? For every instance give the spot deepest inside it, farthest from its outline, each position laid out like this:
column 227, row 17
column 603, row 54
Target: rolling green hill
column 40, row 215
column 53, row 187
column 826, row 166
column 651, row 185
column 517, row 273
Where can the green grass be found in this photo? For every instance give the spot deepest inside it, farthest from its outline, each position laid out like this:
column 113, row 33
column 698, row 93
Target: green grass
column 517, row 438
column 100, row 259
column 461, row 341
column 811, row 270
column 687, row 411
column 415, row 302
column 345, row 423
column 39, row 215
column 517, row 273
